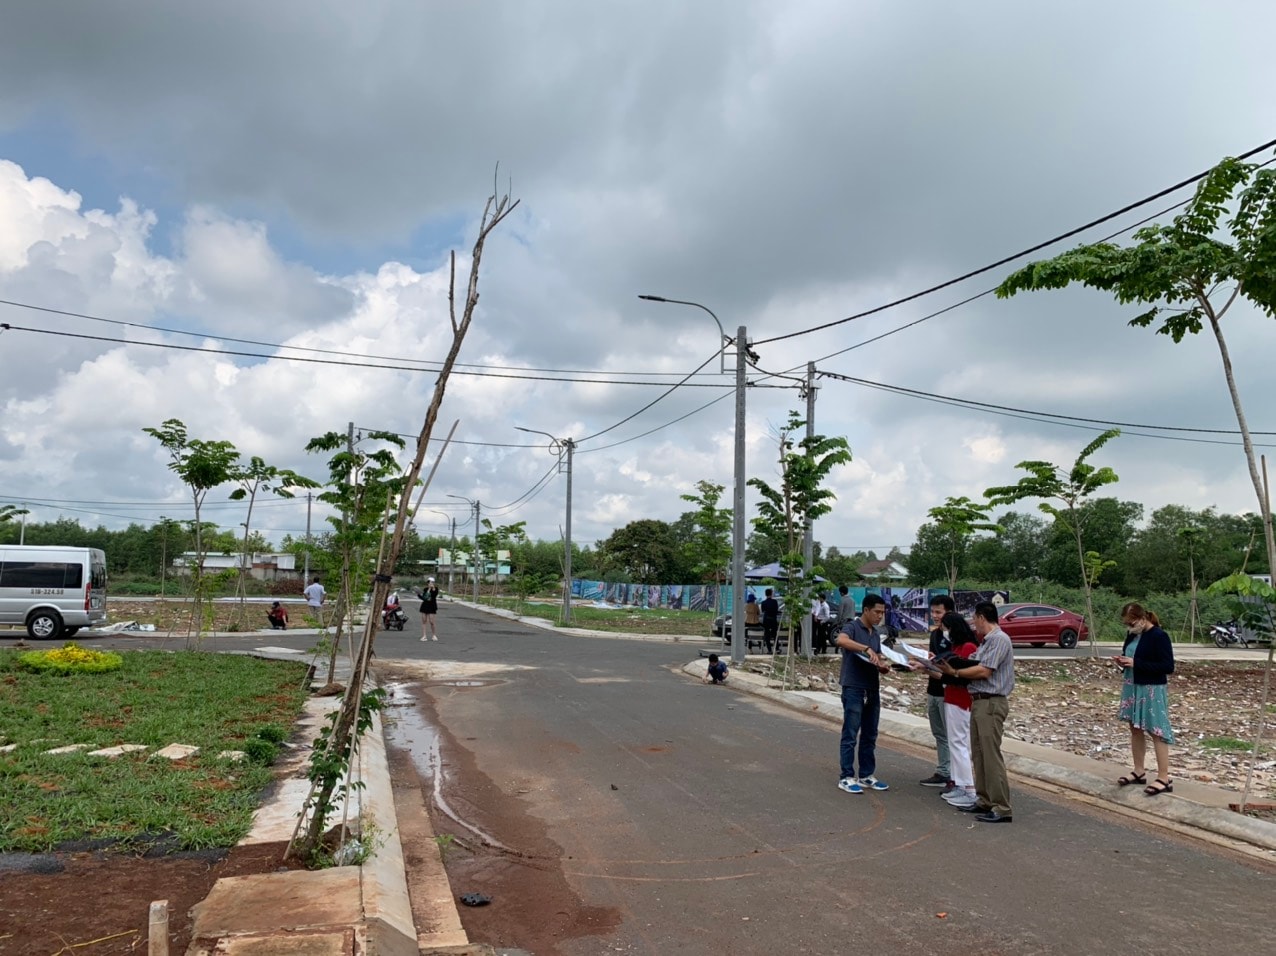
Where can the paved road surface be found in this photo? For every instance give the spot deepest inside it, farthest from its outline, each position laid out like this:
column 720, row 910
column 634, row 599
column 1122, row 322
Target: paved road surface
column 698, row 820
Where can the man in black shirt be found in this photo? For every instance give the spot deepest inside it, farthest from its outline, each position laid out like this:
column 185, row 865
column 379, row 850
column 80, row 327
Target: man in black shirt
column 940, row 605
column 770, row 620
column 862, row 667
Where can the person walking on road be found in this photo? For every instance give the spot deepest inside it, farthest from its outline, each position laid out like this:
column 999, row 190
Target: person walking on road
column 940, row 605
column 862, row 668
column 1147, row 659
column 315, row 594
column 992, row 679
column 429, row 596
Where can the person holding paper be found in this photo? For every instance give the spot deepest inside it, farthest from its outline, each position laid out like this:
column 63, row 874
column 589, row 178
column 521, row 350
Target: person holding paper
column 940, row 604
column 992, row 679
column 862, row 667
column 957, row 715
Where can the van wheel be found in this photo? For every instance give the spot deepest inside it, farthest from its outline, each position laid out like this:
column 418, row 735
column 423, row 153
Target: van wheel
column 44, row 625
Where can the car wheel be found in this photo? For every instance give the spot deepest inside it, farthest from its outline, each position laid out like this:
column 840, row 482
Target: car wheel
column 44, row 625
column 1067, row 637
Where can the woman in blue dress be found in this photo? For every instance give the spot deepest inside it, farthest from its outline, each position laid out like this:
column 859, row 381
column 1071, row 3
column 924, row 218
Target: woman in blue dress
column 1147, row 659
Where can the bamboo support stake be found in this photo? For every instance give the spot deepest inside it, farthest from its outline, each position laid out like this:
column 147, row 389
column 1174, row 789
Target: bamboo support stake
column 158, row 941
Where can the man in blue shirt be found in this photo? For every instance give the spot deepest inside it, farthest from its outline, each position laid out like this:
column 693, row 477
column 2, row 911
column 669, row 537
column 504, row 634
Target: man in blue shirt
column 862, row 667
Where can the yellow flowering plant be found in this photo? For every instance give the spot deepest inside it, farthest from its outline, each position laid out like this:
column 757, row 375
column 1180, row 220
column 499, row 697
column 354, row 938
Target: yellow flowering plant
column 71, row 658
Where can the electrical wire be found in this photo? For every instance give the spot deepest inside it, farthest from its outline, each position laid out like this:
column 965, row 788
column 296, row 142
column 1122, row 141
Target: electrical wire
column 658, row 398
column 1031, row 416
column 684, row 383
column 306, row 348
column 1031, row 411
column 1018, row 255
column 526, row 496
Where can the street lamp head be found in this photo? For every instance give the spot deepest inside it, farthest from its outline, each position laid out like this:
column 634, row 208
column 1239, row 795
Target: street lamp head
column 654, row 298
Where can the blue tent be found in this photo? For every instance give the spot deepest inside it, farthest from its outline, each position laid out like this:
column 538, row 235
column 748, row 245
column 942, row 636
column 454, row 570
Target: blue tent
column 772, row 570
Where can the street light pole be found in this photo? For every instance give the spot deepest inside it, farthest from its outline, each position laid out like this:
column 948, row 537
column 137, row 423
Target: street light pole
column 560, row 445
column 477, row 506
column 451, row 558
column 738, row 636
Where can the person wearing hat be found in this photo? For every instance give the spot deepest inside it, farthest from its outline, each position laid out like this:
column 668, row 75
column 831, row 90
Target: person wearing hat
column 429, row 596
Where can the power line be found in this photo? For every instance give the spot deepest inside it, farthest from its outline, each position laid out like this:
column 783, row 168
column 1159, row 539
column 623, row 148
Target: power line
column 304, row 348
column 658, row 398
column 684, row 383
column 1018, row 255
column 1030, row 416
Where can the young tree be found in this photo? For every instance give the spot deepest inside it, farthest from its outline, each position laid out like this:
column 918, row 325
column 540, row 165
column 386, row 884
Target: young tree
column 785, row 512
column 9, row 512
column 709, row 546
column 498, row 538
column 1071, row 488
column 338, row 746
column 1190, row 273
column 958, row 520
column 203, row 466
column 253, row 478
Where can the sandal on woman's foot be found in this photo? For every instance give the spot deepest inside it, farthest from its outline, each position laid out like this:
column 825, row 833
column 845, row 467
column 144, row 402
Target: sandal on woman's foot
column 1158, row 787
column 1133, row 778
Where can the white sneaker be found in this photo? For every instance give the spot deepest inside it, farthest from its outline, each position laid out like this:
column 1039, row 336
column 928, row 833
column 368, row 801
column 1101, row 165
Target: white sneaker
column 434, row 638
column 963, row 801
column 872, row 783
column 849, row 785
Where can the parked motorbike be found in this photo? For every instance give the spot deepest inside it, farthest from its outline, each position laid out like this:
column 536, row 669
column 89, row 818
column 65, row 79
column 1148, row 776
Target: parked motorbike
column 1229, row 632
column 393, row 618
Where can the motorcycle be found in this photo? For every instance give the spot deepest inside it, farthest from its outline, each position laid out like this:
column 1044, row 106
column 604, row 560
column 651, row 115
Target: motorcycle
column 393, row 618
column 1229, row 632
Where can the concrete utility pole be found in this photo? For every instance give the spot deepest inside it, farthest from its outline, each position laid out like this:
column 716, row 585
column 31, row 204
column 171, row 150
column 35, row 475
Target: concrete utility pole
column 473, row 503
column 808, row 537
column 738, row 635
column 558, row 446
column 305, row 575
column 451, row 558
column 22, row 534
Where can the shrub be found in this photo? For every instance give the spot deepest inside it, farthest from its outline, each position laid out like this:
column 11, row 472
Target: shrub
column 260, row 751
column 71, row 659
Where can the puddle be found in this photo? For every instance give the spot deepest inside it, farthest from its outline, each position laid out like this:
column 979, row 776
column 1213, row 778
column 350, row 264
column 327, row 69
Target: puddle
column 410, row 731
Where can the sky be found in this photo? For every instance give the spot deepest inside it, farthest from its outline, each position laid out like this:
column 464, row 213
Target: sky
column 294, row 175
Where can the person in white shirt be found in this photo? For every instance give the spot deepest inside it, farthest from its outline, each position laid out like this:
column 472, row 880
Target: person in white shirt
column 820, row 615
column 315, row 594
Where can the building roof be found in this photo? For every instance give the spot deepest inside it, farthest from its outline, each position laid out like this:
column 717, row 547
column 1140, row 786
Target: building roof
column 882, row 569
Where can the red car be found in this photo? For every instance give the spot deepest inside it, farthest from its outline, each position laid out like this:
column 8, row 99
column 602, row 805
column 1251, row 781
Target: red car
column 1041, row 624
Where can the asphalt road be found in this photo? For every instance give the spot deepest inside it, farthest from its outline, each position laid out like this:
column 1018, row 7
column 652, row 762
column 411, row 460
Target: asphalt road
column 709, row 822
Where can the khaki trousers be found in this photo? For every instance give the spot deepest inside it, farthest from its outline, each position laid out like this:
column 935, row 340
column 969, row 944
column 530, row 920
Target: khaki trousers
column 992, row 787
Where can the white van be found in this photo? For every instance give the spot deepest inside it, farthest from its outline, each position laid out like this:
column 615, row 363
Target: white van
column 53, row 591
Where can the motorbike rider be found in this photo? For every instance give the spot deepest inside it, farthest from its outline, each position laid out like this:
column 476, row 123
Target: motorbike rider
column 392, row 610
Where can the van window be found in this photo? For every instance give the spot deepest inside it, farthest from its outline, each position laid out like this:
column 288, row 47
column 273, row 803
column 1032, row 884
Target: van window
column 97, row 576
column 40, row 574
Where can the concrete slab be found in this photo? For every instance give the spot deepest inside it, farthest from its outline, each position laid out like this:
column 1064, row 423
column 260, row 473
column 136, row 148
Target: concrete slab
column 8, row 748
column 270, row 903
column 280, row 650
column 176, row 752
column 235, row 755
column 117, row 751
column 326, row 943
column 68, row 749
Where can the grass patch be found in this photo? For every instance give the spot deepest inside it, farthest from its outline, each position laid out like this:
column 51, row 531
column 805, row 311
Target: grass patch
column 213, row 701
column 625, row 619
column 1225, row 743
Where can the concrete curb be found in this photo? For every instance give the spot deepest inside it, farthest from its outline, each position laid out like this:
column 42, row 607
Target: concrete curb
column 1193, row 806
column 343, row 910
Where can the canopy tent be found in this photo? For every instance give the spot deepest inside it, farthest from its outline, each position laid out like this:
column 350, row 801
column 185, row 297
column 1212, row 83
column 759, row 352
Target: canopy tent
column 774, row 571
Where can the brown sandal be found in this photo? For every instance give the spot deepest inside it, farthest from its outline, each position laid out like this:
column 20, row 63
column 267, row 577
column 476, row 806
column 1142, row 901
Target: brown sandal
column 1158, row 787
column 1132, row 778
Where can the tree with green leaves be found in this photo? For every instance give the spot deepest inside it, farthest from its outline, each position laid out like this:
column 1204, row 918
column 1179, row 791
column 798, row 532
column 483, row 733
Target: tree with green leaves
column 788, row 509
column 1190, row 273
column 9, row 512
column 958, row 520
column 1071, row 488
column 641, row 552
column 253, row 478
column 498, row 538
column 708, row 548
column 202, row 465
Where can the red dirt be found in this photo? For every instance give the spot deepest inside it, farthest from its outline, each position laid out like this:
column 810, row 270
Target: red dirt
column 100, row 903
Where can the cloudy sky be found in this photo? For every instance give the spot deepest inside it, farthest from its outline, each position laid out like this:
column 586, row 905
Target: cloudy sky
column 295, row 174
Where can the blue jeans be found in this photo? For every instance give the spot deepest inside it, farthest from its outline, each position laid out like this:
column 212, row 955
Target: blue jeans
column 860, row 712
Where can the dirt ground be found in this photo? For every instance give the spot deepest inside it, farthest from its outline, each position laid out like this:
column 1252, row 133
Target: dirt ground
column 98, row 903
column 1072, row 704
column 537, row 910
